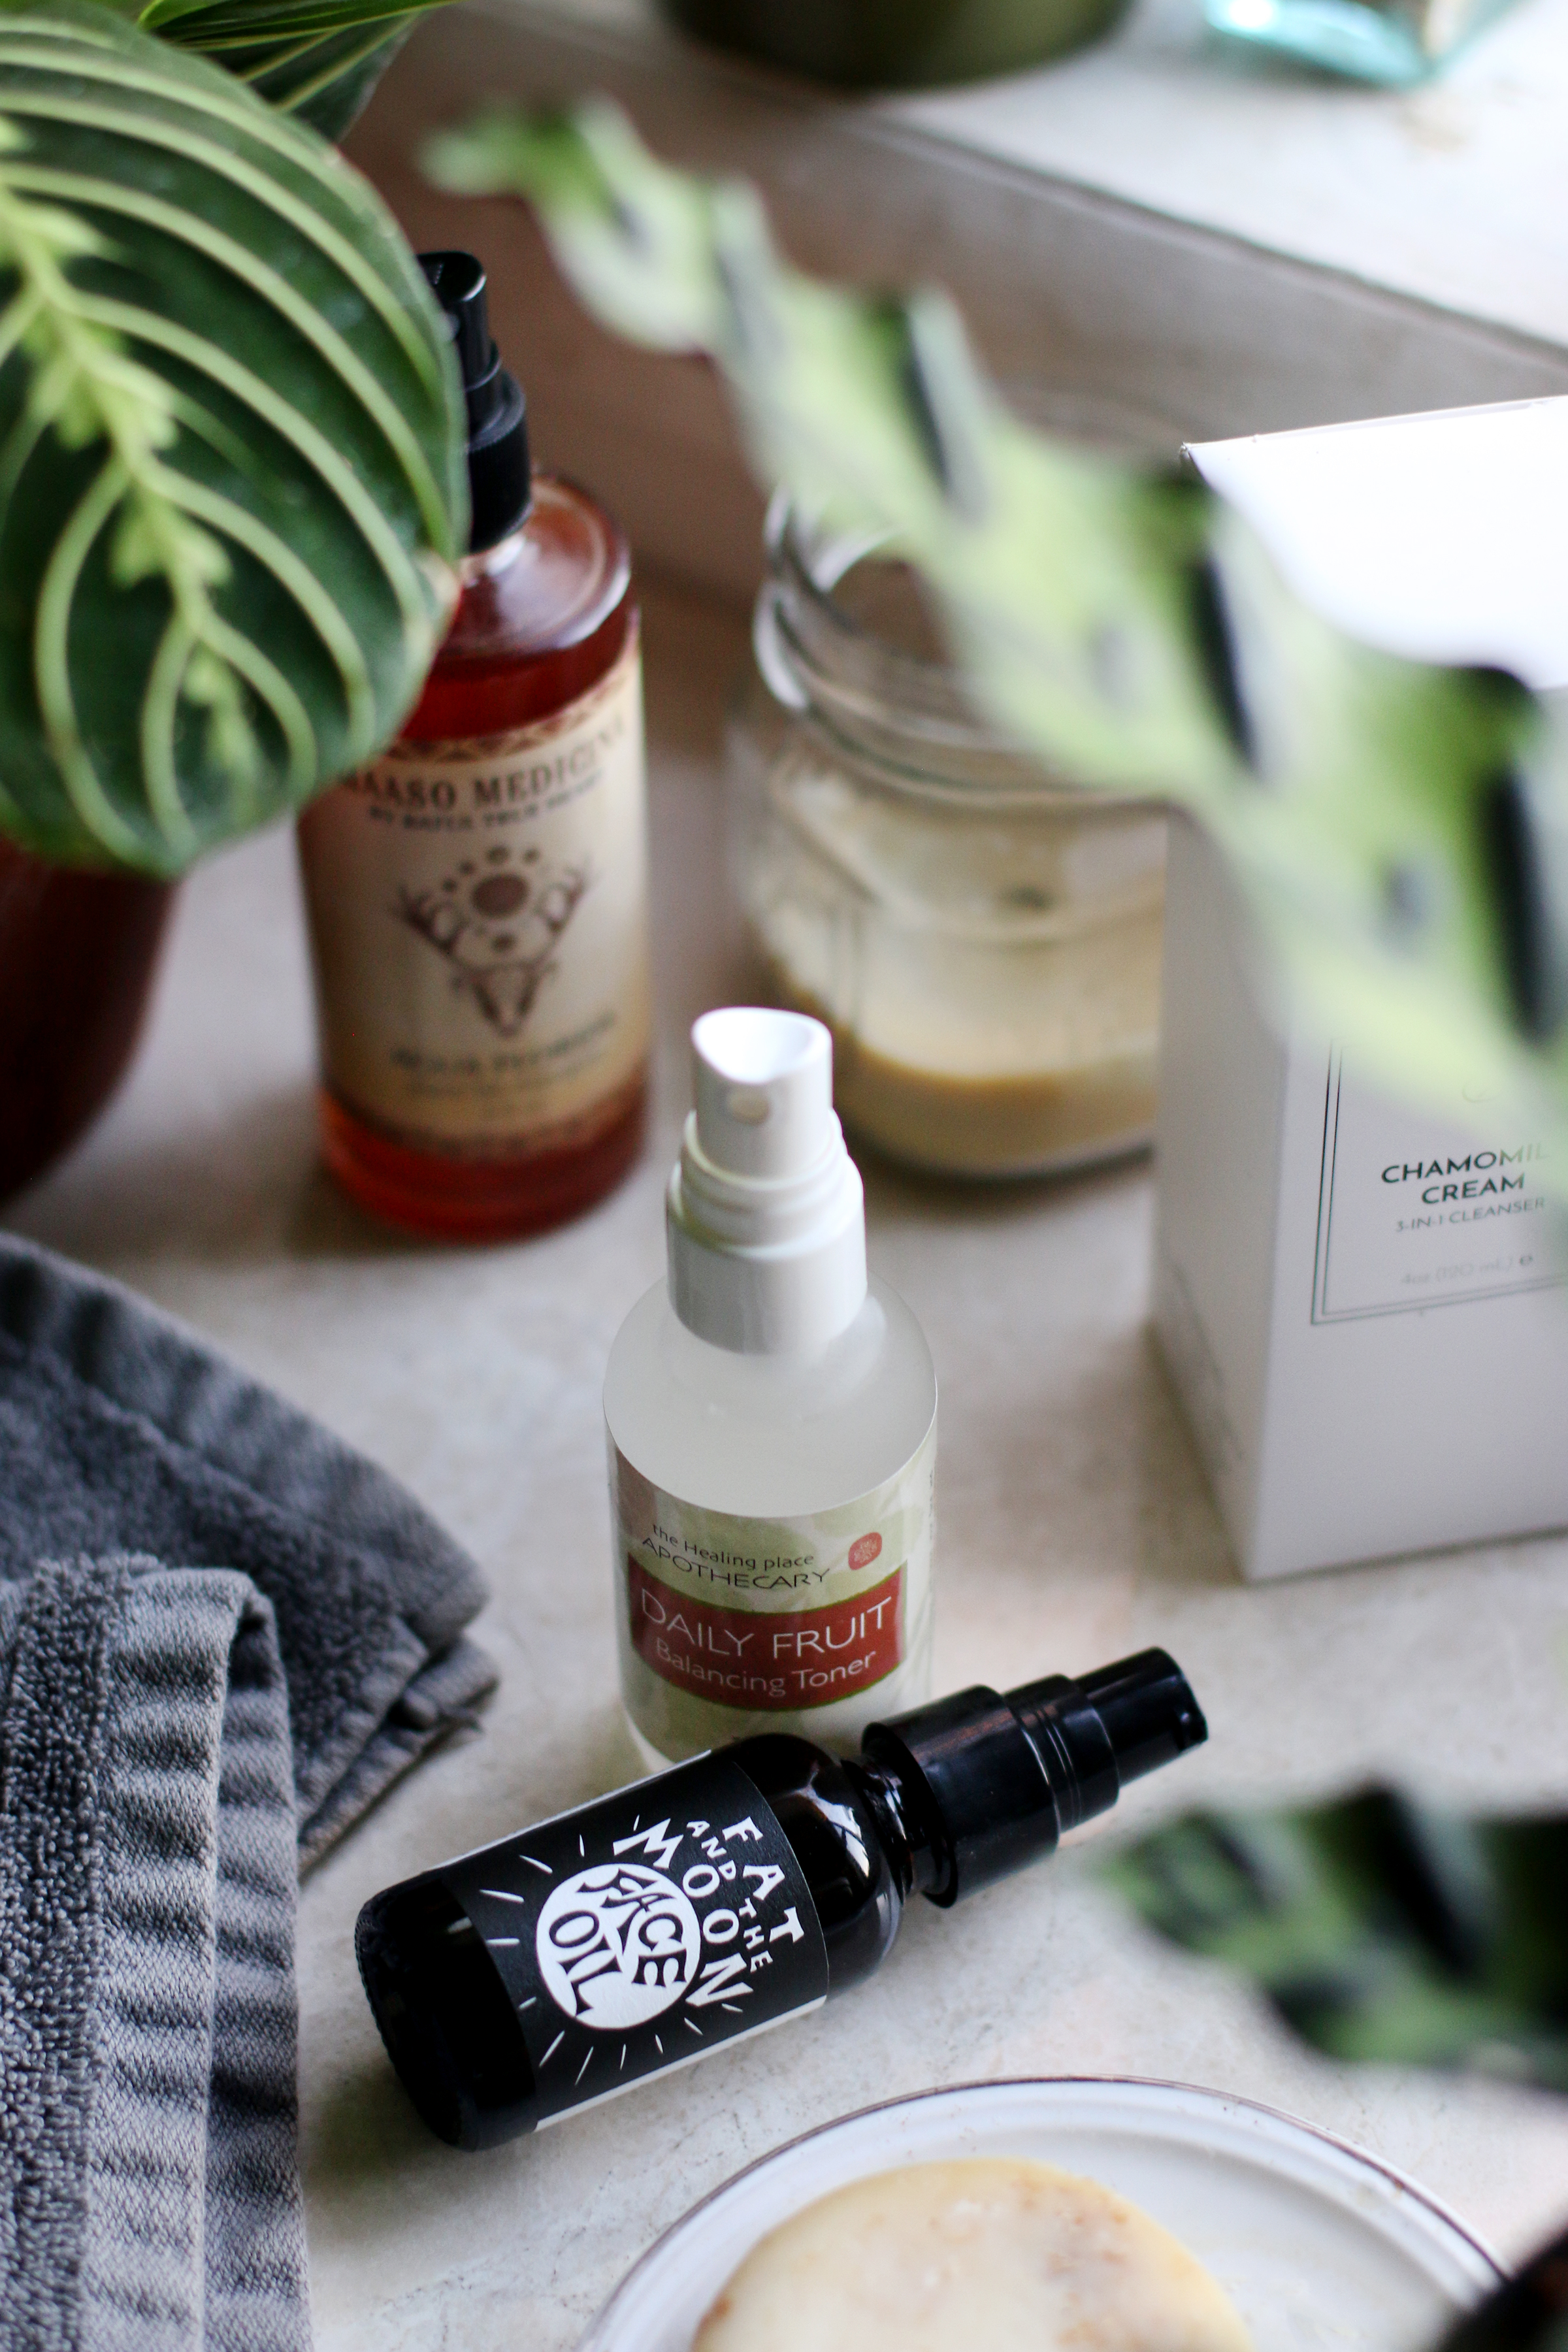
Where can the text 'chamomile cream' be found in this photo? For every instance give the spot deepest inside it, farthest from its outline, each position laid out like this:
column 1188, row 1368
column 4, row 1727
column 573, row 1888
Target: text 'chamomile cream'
column 771, row 1424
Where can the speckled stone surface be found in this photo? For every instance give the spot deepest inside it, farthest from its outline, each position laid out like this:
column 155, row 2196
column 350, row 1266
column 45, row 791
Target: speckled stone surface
column 1074, row 1525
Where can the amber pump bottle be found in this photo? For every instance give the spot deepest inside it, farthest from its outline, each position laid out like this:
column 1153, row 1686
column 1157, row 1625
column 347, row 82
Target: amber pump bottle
column 557, row 1967
column 477, row 899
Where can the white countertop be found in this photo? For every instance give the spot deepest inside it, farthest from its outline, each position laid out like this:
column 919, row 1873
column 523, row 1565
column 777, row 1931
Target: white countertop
column 1074, row 1525
column 1455, row 192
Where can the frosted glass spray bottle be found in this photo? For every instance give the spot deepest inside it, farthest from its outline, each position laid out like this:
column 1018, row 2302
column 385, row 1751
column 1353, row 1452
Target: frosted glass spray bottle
column 771, row 1416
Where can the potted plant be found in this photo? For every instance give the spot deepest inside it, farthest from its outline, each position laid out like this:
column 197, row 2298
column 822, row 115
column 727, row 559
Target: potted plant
column 231, row 485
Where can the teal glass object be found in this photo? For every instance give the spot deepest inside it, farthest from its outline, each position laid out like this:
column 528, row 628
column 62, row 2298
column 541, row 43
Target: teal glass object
column 897, row 44
column 1398, row 44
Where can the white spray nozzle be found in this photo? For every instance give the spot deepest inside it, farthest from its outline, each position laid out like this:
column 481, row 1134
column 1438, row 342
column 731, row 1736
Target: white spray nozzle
column 764, row 1090
column 765, row 1212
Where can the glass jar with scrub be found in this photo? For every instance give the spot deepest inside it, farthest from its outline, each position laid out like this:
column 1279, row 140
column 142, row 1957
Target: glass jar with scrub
column 981, row 934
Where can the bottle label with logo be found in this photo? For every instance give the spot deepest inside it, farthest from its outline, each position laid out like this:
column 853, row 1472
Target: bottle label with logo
column 646, row 1930
column 728, row 1625
column 479, row 914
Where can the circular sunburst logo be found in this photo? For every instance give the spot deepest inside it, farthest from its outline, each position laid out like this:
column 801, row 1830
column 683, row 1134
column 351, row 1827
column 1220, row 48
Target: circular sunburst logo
column 616, row 1945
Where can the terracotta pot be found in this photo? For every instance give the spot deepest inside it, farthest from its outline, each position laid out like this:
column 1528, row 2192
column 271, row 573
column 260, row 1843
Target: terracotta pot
column 78, row 955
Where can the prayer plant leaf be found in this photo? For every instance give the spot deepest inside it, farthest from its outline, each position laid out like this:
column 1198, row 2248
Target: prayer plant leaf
column 231, row 452
column 1379, row 1928
column 1400, row 829
column 318, row 59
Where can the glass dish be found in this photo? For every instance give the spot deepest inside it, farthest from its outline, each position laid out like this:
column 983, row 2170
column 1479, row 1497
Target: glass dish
column 1320, row 2247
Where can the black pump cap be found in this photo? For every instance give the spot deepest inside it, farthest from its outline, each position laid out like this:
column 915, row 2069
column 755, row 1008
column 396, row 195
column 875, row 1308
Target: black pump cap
column 1000, row 1779
column 1147, row 1707
column 499, row 474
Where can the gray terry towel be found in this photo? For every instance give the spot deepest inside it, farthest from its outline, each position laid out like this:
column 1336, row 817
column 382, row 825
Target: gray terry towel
column 149, row 2190
column 121, row 1433
column 222, row 1635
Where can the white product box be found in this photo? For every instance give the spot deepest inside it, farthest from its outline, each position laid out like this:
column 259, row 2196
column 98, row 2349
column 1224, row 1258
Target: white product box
column 1364, row 1306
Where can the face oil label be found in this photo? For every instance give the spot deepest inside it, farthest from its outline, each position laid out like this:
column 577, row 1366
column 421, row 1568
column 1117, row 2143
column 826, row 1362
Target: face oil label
column 646, row 1930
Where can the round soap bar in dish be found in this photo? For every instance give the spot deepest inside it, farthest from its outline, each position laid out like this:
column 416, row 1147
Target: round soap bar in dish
column 998, row 2252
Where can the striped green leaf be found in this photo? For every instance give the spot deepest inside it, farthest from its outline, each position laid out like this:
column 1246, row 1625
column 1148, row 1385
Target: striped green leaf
column 231, row 452
column 319, row 59
column 324, row 78
column 1401, row 830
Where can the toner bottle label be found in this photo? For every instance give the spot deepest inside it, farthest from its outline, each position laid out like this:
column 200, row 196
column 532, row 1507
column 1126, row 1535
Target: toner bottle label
column 646, row 1930
column 731, row 1624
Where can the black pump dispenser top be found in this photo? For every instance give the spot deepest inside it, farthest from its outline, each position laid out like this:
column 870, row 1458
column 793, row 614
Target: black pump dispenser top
column 1003, row 1778
column 499, row 474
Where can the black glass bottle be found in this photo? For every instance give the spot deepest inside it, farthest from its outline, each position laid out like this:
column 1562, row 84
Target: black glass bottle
column 560, row 1967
